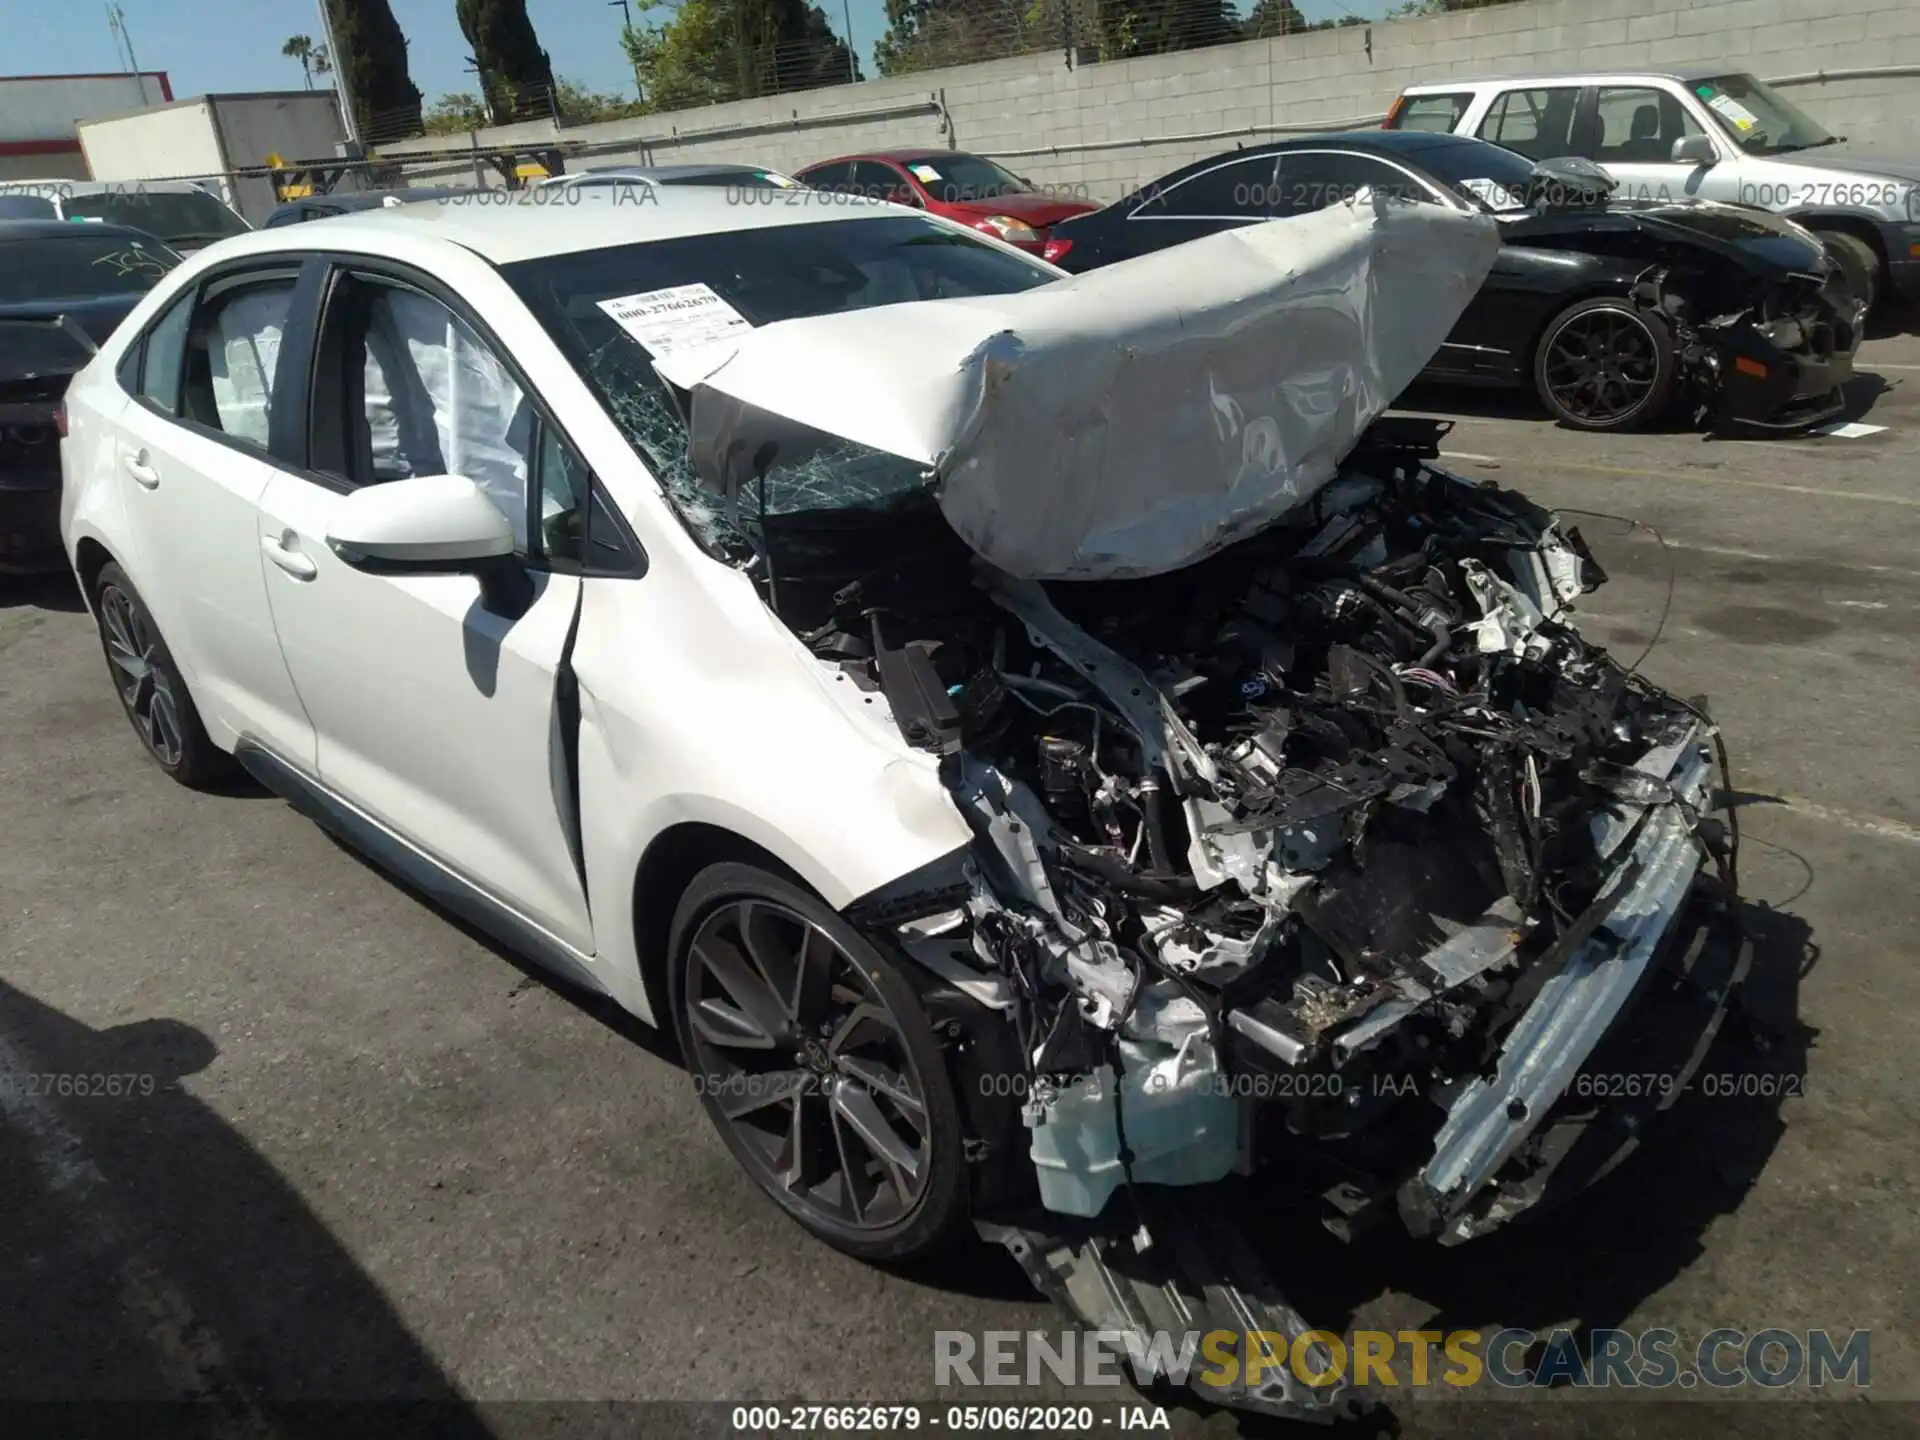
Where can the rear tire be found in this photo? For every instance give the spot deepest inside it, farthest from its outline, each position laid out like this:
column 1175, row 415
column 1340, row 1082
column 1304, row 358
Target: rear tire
column 1859, row 266
column 1604, row 364
column 150, row 686
column 816, row 1062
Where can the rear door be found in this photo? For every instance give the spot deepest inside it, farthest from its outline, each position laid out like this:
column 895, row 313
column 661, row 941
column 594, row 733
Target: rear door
column 1537, row 121
column 1236, row 191
column 196, row 451
column 436, row 709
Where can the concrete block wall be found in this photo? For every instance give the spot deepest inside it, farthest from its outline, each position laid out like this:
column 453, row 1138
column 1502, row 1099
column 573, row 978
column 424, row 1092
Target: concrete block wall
column 1100, row 129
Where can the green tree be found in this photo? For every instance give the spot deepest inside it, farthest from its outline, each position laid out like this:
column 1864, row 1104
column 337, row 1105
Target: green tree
column 454, row 114
column 299, row 48
column 373, row 63
column 1272, row 17
column 927, row 34
column 515, row 73
column 713, row 51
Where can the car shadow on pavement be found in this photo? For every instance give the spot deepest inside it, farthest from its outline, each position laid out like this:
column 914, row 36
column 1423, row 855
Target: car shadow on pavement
column 152, row 1256
column 41, row 592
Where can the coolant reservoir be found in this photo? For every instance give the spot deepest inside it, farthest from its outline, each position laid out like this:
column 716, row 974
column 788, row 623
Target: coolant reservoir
column 1183, row 1126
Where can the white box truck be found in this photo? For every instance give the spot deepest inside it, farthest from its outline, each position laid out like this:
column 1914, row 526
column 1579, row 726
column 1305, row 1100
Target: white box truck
column 207, row 138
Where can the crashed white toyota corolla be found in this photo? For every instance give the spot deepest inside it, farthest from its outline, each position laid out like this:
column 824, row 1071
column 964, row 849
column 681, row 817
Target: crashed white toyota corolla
column 1049, row 744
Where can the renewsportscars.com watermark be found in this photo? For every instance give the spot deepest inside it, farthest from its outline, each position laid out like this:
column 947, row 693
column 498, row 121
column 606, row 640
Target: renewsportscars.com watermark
column 1460, row 1359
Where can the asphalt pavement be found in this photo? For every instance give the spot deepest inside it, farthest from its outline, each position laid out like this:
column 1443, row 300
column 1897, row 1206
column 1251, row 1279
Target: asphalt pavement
column 366, row 1155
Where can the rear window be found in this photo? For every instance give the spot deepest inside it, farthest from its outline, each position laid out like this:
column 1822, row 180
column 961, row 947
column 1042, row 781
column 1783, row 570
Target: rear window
column 76, row 266
column 1438, row 113
column 26, row 207
column 180, row 217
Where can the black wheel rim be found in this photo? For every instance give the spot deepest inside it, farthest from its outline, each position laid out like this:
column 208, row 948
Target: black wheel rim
column 1602, row 366
column 805, row 1064
column 147, row 687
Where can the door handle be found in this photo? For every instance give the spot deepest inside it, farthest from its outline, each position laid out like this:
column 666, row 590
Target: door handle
column 291, row 561
column 141, row 471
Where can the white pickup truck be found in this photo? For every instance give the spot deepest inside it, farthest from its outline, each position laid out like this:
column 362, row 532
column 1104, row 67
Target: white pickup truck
column 1703, row 133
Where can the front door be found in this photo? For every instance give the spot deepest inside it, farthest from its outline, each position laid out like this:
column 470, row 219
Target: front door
column 435, row 714
column 1632, row 137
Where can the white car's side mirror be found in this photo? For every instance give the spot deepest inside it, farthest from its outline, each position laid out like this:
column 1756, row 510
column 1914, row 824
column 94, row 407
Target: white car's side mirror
column 431, row 522
column 1694, row 150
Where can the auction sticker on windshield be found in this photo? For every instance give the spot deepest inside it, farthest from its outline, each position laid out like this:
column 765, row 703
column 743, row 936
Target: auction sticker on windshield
column 677, row 318
column 926, row 174
column 1742, row 118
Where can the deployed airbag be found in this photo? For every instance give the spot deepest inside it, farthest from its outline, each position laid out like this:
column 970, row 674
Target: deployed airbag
column 1128, row 421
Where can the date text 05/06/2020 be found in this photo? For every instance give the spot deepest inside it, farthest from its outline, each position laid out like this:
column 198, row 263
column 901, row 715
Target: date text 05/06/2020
column 959, row 1419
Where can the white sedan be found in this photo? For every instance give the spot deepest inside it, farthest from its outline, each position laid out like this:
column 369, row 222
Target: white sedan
column 1012, row 727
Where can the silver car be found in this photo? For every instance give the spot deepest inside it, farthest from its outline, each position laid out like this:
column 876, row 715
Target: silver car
column 1702, row 132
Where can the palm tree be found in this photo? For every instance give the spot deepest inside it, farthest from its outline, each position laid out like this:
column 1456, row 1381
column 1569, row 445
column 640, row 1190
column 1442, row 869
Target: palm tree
column 300, row 47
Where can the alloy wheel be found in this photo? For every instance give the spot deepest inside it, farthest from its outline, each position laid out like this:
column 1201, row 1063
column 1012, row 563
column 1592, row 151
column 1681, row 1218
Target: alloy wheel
column 803, row 1060
column 1602, row 366
column 140, row 669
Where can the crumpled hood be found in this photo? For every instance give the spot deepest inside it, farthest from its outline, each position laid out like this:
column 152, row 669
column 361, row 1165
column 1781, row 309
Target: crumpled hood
column 1129, row 421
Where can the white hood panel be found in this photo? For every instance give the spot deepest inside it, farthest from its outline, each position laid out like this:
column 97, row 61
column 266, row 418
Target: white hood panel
column 1137, row 418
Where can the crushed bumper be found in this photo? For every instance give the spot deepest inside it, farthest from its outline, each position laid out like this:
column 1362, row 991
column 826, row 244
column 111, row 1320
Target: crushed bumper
column 1643, row 989
column 1494, row 1116
column 1786, row 375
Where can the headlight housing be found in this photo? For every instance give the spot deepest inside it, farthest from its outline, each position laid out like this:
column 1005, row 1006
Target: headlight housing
column 1015, row 232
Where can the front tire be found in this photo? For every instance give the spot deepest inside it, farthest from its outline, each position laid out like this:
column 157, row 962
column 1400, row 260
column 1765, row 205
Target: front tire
column 1604, row 364
column 150, row 686
column 817, row 1064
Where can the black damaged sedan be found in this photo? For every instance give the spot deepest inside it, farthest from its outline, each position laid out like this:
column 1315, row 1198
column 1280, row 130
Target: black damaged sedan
column 64, row 286
column 1614, row 311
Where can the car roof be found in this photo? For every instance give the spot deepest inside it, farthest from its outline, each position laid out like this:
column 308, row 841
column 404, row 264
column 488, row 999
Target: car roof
column 62, row 229
column 670, row 172
column 373, row 199
column 104, row 187
column 1528, row 77
column 900, row 155
column 504, row 231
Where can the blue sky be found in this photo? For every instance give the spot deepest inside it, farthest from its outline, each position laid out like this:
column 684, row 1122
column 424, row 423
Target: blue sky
column 235, row 44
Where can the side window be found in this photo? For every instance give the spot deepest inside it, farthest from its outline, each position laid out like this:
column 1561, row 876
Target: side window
column 1313, row 180
column 166, row 348
column 1438, row 113
column 566, row 495
column 880, row 181
column 232, row 348
column 1638, row 125
column 1535, row 123
column 831, row 177
column 435, row 400
column 1240, row 189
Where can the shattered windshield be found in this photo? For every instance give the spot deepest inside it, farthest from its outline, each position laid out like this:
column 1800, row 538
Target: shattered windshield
column 611, row 311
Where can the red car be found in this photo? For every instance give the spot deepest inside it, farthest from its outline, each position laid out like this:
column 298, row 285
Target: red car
column 968, row 188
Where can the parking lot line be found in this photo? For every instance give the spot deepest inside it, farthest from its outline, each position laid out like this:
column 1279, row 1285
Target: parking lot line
column 1905, row 501
column 1879, row 826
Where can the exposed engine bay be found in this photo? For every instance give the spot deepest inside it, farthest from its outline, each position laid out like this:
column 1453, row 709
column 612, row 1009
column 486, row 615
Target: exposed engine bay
column 1310, row 821
column 1308, row 838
